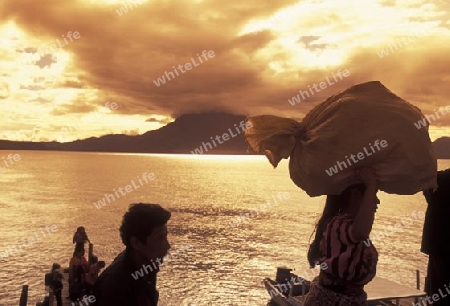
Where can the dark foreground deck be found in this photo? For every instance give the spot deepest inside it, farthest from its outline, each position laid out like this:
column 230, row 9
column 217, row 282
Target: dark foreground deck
column 380, row 292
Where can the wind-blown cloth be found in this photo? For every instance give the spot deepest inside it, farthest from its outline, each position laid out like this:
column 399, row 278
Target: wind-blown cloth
column 319, row 147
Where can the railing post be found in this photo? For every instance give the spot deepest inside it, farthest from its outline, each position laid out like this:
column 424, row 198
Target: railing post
column 91, row 252
column 24, row 296
column 416, row 300
column 418, row 279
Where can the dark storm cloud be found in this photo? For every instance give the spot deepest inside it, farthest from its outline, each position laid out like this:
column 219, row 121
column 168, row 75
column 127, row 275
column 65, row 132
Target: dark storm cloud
column 121, row 56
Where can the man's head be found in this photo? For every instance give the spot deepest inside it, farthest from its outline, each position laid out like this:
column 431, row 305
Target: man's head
column 144, row 230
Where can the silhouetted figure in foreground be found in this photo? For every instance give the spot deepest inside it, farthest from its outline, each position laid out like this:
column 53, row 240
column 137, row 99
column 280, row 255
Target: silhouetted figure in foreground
column 78, row 266
column 347, row 262
column 92, row 275
column 436, row 239
column 56, row 284
column 131, row 279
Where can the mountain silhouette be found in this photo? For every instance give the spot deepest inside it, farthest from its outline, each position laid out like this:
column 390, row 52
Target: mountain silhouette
column 183, row 136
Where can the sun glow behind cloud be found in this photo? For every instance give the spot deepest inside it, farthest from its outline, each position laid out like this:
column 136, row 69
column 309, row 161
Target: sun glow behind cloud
column 35, row 89
column 324, row 34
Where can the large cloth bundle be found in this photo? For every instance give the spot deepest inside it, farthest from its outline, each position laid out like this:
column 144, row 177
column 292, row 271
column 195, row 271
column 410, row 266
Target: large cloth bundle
column 364, row 126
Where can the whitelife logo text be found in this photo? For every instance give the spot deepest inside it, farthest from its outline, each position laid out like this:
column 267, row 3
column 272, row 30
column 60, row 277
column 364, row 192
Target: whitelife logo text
column 243, row 126
column 360, row 155
column 187, row 66
column 32, row 58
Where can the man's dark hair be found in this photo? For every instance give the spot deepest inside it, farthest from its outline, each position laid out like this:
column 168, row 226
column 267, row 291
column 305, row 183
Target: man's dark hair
column 140, row 220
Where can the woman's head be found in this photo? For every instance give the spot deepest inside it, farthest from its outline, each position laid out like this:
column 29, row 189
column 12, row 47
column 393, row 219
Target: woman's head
column 80, row 229
column 94, row 259
column 350, row 197
column 56, row 266
column 346, row 202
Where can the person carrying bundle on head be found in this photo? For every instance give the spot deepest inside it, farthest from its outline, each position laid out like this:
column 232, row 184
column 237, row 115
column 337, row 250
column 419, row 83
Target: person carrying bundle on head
column 347, row 263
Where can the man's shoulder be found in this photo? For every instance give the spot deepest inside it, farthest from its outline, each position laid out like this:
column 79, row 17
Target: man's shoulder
column 115, row 275
column 119, row 284
column 116, row 271
column 113, row 287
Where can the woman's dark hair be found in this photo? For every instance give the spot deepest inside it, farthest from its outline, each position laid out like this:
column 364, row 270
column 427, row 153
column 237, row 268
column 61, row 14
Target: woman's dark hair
column 81, row 231
column 79, row 248
column 333, row 205
column 140, row 220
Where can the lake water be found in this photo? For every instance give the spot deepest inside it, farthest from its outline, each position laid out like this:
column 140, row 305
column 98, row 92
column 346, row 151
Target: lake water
column 225, row 264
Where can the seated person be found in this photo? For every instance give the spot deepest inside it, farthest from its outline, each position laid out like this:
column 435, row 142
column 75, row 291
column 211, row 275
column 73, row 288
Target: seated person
column 92, row 275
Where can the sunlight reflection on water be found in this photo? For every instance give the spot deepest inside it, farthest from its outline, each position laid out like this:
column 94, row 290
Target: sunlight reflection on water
column 226, row 264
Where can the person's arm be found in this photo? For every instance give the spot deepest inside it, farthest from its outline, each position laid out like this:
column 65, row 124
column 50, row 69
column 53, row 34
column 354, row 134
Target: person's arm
column 71, row 270
column 85, row 237
column 362, row 225
column 92, row 270
column 86, row 264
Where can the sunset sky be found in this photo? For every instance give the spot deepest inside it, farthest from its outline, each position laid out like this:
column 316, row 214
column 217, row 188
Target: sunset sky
column 264, row 53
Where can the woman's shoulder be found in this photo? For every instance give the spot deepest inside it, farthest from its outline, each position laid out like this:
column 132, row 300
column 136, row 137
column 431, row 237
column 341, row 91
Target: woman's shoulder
column 339, row 222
